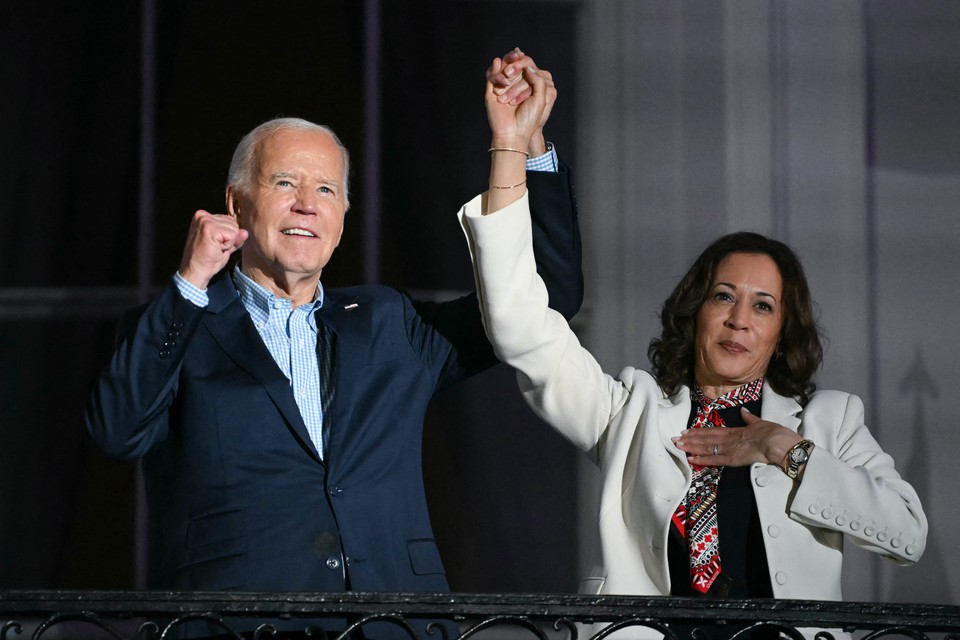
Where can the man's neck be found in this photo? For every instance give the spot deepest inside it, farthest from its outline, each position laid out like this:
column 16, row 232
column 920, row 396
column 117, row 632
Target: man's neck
column 299, row 289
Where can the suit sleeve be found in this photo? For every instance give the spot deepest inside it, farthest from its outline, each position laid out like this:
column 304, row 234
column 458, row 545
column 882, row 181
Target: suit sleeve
column 850, row 484
column 453, row 334
column 556, row 238
column 127, row 413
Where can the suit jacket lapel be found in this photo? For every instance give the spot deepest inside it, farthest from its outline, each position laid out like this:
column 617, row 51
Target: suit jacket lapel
column 674, row 415
column 233, row 330
column 779, row 409
column 336, row 318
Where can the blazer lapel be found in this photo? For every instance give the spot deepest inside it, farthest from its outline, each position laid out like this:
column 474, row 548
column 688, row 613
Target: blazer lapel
column 233, row 330
column 336, row 319
column 674, row 415
column 779, row 409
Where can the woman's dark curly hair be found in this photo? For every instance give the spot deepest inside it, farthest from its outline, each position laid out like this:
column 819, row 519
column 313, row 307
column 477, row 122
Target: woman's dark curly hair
column 790, row 374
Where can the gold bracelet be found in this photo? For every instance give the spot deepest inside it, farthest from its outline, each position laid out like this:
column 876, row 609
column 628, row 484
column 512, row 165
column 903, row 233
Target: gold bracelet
column 492, row 149
column 513, row 186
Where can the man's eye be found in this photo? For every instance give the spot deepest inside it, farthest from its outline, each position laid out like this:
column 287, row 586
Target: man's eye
column 325, row 190
column 284, row 183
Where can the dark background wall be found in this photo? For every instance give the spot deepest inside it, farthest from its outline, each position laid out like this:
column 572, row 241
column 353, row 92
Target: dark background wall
column 74, row 180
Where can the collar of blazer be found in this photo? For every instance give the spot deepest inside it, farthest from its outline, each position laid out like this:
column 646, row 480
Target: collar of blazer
column 675, row 410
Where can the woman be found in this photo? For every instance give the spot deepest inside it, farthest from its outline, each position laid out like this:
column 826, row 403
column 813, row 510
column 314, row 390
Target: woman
column 724, row 472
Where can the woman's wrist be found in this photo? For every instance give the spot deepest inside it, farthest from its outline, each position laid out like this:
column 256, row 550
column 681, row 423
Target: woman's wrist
column 508, row 173
column 780, row 445
column 510, row 142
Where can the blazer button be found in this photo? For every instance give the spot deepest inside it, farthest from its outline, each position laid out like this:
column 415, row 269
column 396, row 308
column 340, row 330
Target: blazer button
column 855, row 525
column 896, row 543
column 813, row 509
column 911, row 549
column 882, row 536
column 781, row 577
column 333, row 563
column 869, row 530
column 827, row 513
column 841, row 520
column 773, row 530
column 761, row 481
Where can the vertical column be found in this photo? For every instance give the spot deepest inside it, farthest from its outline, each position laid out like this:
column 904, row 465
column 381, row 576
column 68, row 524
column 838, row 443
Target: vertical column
column 371, row 141
column 146, row 222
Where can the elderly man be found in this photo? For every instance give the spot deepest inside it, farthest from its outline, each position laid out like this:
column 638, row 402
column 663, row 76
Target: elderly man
column 280, row 422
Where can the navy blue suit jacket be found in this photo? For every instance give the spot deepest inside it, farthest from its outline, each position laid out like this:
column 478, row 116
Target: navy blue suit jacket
column 238, row 497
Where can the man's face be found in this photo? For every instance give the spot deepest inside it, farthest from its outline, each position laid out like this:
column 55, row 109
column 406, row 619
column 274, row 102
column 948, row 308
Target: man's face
column 294, row 210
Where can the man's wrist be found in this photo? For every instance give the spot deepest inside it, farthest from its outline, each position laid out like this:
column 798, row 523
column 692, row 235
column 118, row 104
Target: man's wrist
column 190, row 292
column 538, row 144
column 546, row 162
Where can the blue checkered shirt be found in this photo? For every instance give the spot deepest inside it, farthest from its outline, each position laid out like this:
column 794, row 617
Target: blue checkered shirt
column 289, row 334
column 547, row 162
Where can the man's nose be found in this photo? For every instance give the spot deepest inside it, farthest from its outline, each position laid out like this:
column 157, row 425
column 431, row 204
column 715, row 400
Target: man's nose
column 307, row 202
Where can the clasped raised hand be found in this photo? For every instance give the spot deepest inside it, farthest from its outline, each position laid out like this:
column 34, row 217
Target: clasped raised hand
column 518, row 97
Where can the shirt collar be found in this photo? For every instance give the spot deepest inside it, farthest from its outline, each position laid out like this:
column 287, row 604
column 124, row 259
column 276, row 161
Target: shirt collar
column 257, row 297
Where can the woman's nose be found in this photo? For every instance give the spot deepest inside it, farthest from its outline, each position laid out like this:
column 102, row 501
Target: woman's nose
column 737, row 318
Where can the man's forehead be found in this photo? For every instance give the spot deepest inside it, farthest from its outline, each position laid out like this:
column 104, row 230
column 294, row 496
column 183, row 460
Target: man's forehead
column 288, row 144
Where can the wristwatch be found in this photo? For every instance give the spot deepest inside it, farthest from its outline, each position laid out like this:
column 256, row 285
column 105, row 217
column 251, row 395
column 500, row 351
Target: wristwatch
column 796, row 458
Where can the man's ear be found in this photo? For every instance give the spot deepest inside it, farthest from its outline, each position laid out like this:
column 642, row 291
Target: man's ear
column 233, row 203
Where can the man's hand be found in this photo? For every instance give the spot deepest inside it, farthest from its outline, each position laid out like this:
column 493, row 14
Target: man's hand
column 511, row 87
column 211, row 241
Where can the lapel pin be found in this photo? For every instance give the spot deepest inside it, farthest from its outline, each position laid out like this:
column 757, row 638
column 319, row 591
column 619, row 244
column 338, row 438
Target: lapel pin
column 352, row 306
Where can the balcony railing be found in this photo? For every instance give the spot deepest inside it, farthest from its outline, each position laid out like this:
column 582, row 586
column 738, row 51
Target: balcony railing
column 146, row 615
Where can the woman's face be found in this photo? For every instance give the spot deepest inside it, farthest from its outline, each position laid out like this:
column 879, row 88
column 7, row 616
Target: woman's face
column 738, row 325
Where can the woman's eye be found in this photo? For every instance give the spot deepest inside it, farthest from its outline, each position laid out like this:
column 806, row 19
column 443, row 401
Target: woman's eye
column 764, row 306
column 722, row 296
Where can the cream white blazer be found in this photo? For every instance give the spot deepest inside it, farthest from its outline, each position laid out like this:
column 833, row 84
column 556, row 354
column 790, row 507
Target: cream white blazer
column 849, row 489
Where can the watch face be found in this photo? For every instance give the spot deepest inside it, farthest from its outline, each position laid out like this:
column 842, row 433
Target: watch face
column 798, row 455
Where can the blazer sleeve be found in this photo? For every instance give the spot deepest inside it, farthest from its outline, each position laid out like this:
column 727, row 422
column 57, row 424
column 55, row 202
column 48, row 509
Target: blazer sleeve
column 127, row 413
column 560, row 379
column 850, row 484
